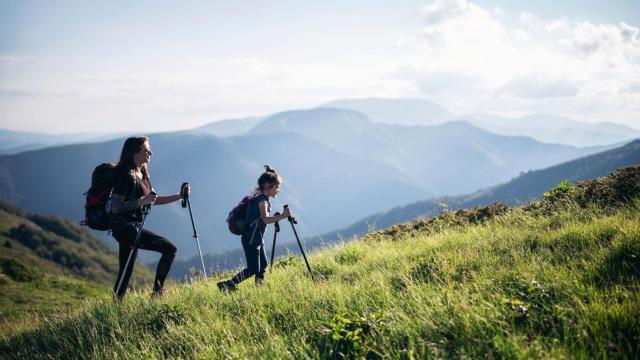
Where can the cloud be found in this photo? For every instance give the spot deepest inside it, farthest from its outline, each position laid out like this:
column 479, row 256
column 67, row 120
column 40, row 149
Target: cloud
column 460, row 23
column 537, row 86
column 439, row 82
column 479, row 58
column 632, row 88
column 10, row 59
column 260, row 69
column 31, row 92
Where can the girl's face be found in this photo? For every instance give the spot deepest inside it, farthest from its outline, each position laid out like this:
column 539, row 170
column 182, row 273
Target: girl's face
column 143, row 156
column 272, row 189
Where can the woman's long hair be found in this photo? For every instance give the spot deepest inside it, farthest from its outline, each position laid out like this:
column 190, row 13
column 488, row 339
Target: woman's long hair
column 132, row 146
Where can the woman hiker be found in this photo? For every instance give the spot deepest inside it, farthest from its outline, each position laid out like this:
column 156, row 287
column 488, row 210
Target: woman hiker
column 133, row 192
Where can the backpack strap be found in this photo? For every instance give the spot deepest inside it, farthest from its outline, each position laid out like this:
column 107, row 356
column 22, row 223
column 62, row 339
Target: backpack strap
column 255, row 228
column 256, row 223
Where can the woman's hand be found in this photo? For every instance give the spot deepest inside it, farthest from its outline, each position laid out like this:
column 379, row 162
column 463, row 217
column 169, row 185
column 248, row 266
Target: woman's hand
column 186, row 190
column 148, row 200
column 286, row 213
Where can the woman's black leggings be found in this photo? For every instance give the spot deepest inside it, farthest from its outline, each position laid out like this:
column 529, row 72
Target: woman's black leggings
column 148, row 241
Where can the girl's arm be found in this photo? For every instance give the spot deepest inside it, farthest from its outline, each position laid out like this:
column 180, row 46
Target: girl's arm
column 262, row 205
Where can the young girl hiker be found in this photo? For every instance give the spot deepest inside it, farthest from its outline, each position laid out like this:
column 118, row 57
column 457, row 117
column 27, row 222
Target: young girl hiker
column 253, row 235
column 131, row 193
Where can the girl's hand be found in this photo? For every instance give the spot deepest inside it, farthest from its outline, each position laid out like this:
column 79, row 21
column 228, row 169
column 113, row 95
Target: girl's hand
column 286, row 213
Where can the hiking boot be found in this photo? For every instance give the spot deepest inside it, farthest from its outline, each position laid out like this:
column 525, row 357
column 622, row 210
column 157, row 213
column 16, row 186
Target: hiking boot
column 157, row 294
column 226, row 285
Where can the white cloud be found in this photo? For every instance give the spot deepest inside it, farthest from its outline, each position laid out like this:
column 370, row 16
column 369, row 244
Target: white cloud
column 10, row 59
column 518, row 67
column 440, row 82
column 467, row 57
column 537, row 86
column 632, row 88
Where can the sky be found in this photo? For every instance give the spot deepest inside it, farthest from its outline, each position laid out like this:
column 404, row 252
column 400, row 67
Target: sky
column 87, row 66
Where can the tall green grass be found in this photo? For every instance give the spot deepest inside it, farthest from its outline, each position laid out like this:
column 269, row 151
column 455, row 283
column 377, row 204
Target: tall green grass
column 518, row 285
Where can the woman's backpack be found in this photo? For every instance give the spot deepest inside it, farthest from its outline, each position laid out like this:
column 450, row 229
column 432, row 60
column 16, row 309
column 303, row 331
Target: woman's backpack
column 237, row 219
column 98, row 197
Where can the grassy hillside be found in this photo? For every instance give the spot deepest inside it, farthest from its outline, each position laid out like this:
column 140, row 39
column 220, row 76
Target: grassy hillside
column 49, row 265
column 557, row 278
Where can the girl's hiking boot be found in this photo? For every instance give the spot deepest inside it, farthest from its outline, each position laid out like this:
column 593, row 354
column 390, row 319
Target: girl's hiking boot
column 227, row 285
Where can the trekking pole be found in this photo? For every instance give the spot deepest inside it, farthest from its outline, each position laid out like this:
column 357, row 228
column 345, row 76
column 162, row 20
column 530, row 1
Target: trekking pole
column 292, row 221
column 186, row 202
column 276, row 230
column 134, row 248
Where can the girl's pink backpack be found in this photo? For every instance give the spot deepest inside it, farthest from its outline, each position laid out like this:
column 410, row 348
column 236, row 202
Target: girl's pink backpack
column 237, row 219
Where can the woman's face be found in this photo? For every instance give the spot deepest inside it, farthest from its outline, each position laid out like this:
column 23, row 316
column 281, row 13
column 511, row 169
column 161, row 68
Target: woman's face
column 143, row 156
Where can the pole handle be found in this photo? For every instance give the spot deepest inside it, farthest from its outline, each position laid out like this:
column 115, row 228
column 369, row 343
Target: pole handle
column 290, row 218
column 276, row 225
column 184, row 195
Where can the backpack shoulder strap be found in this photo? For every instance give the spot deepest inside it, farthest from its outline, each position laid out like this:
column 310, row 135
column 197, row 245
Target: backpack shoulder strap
column 134, row 183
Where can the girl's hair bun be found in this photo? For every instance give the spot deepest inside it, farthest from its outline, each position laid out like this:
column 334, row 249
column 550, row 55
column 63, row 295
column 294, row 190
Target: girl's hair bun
column 269, row 169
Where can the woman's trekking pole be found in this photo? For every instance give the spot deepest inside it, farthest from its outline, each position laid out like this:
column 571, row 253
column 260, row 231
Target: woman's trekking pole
column 276, row 230
column 185, row 199
column 134, row 248
column 292, row 221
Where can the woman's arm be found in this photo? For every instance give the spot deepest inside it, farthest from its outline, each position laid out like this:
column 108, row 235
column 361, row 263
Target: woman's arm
column 262, row 205
column 118, row 205
column 171, row 198
column 124, row 186
column 161, row 200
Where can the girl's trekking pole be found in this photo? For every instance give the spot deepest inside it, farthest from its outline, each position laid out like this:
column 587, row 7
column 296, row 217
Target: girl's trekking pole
column 185, row 199
column 134, row 248
column 276, row 230
column 292, row 221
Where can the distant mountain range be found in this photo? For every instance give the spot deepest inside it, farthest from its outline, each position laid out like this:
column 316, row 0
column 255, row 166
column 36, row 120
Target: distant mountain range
column 546, row 128
column 528, row 186
column 397, row 111
column 450, row 158
column 555, row 129
column 221, row 172
column 229, row 127
column 338, row 166
column 524, row 188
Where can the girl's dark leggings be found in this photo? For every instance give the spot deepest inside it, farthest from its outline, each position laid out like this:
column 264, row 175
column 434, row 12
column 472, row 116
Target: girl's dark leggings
column 148, row 241
column 256, row 262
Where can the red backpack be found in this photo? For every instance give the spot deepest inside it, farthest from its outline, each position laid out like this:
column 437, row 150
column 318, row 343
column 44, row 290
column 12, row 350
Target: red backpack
column 97, row 206
column 97, row 198
column 237, row 219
